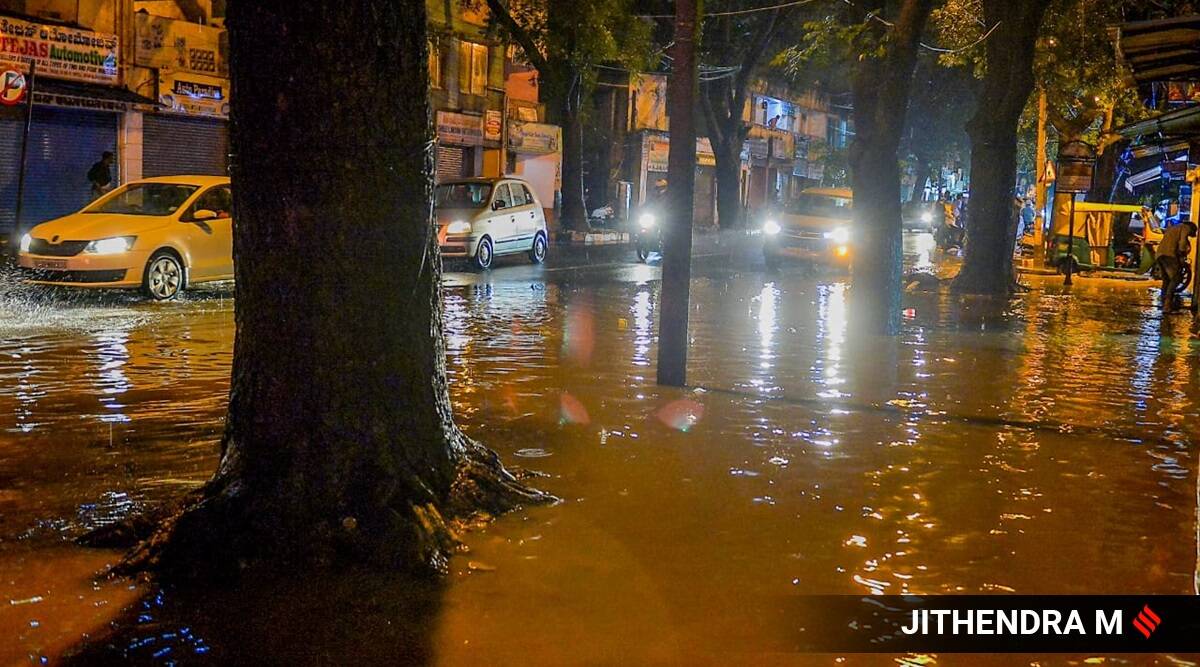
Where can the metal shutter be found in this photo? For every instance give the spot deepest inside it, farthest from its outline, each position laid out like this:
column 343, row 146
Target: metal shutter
column 63, row 145
column 174, row 145
column 449, row 162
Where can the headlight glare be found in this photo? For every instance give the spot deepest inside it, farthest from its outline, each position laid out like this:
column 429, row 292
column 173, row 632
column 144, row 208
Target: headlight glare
column 647, row 220
column 926, row 217
column 840, row 235
column 112, row 246
column 459, row 227
column 771, row 228
column 25, row 241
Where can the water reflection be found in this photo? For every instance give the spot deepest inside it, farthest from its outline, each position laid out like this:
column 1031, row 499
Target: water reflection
column 1042, row 446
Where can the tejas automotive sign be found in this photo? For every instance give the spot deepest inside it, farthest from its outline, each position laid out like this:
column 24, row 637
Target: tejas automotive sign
column 60, row 52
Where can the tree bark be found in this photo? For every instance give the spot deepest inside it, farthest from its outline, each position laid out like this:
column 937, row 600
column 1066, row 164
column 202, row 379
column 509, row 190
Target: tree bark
column 988, row 264
column 339, row 444
column 573, row 214
column 881, row 90
column 681, row 177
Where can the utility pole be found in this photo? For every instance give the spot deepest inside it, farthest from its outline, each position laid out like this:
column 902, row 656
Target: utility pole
column 681, row 183
column 1041, row 185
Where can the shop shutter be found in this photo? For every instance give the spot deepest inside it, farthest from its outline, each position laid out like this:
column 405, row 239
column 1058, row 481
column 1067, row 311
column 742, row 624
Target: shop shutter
column 174, row 145
column 63, row 145
column 450, row 161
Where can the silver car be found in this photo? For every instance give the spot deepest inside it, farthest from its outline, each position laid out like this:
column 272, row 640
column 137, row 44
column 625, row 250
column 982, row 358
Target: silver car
column 480, row 219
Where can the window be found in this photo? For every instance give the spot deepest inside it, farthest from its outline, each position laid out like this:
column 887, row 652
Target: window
column 528, row 194
column 462, row 195
column 145, row 199
column 503, row 197
column 435, row 65
column 472, row 68
column 219, row 200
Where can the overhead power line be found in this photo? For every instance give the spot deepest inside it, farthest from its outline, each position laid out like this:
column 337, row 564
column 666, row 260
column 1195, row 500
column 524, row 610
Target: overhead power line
column 735, row 12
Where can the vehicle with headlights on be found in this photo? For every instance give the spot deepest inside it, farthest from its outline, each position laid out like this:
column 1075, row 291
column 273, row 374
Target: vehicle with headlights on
column 816, row 227
column 479, row 219
column 922, row 216
column 158, row 234
column 647, row 233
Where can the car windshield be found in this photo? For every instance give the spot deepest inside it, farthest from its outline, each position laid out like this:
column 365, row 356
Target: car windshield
column 462, row 195
column 145, row 199
column 823, row 206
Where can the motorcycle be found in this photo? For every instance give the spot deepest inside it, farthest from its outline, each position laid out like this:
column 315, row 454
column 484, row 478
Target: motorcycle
column 647, row 233
column 949, row 236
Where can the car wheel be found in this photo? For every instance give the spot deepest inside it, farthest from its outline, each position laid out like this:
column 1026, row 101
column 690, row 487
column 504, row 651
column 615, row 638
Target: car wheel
column 537, row 254
column 483, row 254
column 164, row 276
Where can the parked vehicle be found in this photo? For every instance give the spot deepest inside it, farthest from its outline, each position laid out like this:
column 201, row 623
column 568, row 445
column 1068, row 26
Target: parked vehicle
column 158, row 234
column 480, row 219
column 816, row 227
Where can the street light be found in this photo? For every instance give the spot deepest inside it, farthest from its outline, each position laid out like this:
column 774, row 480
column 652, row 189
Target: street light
column 1076, row 166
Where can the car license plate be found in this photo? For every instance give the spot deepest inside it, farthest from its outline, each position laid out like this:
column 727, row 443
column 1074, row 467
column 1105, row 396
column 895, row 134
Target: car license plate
column 49, row 263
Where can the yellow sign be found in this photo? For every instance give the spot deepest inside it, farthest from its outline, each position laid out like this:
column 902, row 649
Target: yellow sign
column 1049, row 175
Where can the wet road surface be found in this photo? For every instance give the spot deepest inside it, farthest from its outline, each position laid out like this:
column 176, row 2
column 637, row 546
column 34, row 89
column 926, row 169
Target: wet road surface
column 1042, row 446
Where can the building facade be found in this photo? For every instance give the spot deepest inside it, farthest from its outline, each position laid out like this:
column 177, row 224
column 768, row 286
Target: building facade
column 146, row 81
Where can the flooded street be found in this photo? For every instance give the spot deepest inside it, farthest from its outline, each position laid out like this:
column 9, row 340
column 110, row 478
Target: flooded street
column 1038, row 448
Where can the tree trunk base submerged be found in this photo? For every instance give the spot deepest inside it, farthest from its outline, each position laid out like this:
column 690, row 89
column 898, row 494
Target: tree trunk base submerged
column 226, row 528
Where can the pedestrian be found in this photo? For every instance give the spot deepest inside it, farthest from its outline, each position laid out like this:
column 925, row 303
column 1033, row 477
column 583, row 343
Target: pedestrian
column 1027, row 218
column 1172, row 253
column 100, row 175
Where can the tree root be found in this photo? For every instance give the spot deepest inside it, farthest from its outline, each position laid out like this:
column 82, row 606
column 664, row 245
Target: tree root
column 225, row 528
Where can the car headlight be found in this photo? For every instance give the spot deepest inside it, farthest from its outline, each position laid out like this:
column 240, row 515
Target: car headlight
column 926, row 217
column 113, row 246
column 647, row 220
column 839, row 235
column 459, row 227
column 25, row 241
column 771, row 228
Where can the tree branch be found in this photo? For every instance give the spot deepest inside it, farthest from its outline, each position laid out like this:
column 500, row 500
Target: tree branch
column 520, row 35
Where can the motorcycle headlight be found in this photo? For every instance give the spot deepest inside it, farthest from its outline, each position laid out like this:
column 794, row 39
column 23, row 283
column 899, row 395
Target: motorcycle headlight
column 840, row 235
column 113, row 246
column 771, row 228
column 25, row 241
column 926, row 217
column 647, row 220
column 459, row 227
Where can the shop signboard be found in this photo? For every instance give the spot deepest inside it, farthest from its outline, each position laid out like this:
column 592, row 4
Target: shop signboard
column 59, row 51
column 193, row 94
column 659, row 153
column 459, row 128
column 538, row 138
column 493, row 123
column 166, row 43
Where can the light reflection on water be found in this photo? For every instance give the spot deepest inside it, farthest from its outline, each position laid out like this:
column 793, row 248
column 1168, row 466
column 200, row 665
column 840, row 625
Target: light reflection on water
column 1038, row 448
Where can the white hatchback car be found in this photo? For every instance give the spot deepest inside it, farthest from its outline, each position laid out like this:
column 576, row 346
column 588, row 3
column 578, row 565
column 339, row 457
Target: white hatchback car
column 482, row 218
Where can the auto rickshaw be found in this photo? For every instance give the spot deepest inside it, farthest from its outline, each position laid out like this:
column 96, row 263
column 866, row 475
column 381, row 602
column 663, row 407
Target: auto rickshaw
column 1114, row 237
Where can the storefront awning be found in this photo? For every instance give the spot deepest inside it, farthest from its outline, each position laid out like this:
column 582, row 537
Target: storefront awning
column 1161, row 50
column 1181, row 123
column 88, row 96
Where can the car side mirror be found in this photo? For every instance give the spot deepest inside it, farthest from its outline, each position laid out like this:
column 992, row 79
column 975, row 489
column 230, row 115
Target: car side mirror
column 499, row 204
column 204, row 214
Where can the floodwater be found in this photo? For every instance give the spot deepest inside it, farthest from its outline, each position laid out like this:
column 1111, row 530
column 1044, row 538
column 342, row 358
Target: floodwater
column 1037, row 447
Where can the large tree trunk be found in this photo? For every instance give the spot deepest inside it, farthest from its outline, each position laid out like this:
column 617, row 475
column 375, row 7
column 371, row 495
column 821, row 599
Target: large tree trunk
column 339, row 443
column 1007, row 84
column 729, row 183
column 881, row 89
column 573, row 214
